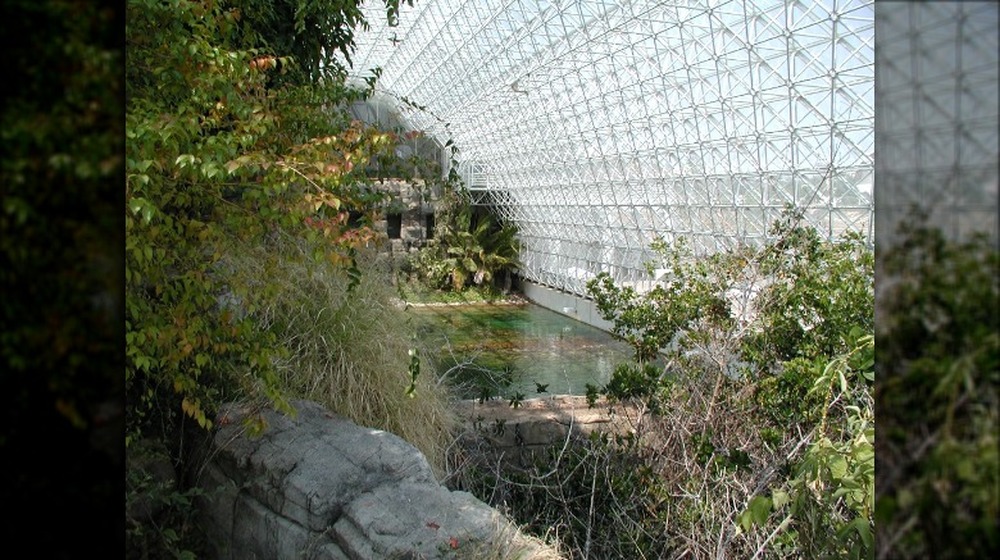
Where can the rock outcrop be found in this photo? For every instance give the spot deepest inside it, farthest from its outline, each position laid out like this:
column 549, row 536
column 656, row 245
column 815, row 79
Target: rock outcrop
column 317, row 486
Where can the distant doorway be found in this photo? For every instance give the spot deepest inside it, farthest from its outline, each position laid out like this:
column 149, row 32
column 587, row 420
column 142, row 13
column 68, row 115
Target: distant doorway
column 428, row 226
column 394, row 225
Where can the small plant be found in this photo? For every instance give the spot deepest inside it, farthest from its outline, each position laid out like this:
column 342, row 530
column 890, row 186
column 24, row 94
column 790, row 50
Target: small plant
column 516, row 399
column 499, row 426
column 485, row 394
column 703, row 447
column 593, row 392
column 414, row 371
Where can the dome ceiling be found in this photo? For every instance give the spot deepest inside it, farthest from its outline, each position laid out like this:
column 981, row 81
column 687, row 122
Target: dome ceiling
column 598, row 126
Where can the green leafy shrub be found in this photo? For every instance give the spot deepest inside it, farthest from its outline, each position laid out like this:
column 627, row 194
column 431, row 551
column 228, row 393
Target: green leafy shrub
column 755, row 347
column 688, row 298
column 786, row 397
column 467, row 252
column 938, row 361
column 828, row 500
column 630, row 381
column 814, row 294
column 804, row 299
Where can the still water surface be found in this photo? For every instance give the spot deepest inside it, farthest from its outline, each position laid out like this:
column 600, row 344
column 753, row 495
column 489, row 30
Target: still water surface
column 503, row 350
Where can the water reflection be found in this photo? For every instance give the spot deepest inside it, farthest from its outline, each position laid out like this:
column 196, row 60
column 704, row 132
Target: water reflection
column 504, row 350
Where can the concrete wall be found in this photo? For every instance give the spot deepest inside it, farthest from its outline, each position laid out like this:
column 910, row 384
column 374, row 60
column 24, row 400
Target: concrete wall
column 568, row 304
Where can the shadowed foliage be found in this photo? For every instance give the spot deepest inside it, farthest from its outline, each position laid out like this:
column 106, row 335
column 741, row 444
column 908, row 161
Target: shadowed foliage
column 60, row 277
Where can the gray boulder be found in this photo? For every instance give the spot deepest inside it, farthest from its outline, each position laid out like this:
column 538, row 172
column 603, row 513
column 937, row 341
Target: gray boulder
column 317, row 486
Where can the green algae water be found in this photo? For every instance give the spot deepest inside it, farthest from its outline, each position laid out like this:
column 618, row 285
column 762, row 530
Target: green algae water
column 506, row 350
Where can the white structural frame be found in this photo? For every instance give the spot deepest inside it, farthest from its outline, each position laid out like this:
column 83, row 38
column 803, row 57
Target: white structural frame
column 600, row 126
column 938, row 116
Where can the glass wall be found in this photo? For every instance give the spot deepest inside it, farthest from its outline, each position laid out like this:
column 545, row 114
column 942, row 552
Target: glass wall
column 938, row 117
column 599, row 126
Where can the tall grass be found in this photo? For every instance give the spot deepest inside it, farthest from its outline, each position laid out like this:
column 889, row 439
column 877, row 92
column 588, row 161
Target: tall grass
column 508, row 542
column 346, row 348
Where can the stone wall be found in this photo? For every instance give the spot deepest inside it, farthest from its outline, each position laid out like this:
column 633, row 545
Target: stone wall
column 317, row 486
column 411, row 203
column 518, row 435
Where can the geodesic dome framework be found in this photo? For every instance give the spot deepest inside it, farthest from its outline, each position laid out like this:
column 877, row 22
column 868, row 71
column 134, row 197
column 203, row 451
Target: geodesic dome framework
column 938, row 116
column 598, row 126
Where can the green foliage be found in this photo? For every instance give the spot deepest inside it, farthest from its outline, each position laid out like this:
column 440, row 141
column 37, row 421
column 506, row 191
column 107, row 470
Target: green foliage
column 816, row 293
column 804, row 297
column 238, row 147
column 786, row 397
column 939, row 357
column 216, row 155
column 517, row 399
column 768, row 351
column 593, row 392
column 704, row 450
column 168, row 526
column 414, row 371
column 485, row 394
column 312, row 33
column 688, row 298
column 499, row 426
column 62, row 139
column 829, row 500
column 644, row 382
column 467, row 252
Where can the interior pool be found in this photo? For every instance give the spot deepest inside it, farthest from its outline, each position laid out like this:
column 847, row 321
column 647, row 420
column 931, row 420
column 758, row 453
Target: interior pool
column 504, row 350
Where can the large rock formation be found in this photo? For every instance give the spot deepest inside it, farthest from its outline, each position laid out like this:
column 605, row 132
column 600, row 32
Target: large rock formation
column 317, row 486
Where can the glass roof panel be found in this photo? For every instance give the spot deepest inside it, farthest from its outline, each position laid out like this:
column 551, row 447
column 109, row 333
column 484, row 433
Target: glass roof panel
column 618, row 121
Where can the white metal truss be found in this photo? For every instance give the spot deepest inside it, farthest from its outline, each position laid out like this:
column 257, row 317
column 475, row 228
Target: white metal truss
column 600, row 125
column 938, row 115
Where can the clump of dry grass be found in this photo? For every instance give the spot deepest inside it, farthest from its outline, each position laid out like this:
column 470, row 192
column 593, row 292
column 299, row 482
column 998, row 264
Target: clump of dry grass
column 348, row 349
column 507, row 542
column 673, row 489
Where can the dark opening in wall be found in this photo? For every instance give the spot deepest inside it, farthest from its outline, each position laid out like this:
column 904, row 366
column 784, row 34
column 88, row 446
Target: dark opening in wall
column 428, row 226
column 394, row 225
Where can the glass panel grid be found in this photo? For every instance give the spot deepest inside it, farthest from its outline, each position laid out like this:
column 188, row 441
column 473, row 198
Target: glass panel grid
column 606, row 124
column 938, row 116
